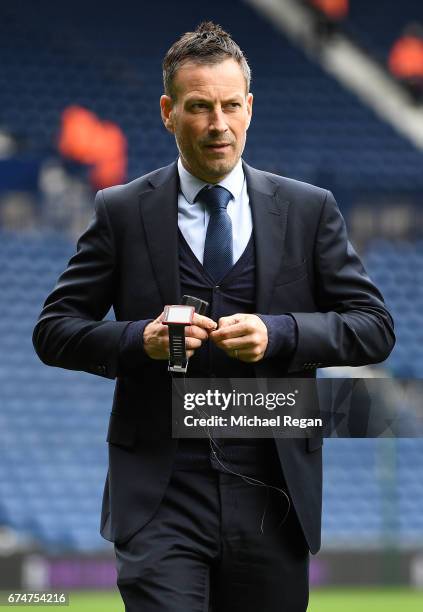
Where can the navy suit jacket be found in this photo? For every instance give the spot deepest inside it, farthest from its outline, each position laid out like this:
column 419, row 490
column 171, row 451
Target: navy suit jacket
column 128, row 258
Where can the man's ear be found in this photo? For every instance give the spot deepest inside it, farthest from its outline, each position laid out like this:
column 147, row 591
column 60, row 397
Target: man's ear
column 249, row 108
column 166, row 106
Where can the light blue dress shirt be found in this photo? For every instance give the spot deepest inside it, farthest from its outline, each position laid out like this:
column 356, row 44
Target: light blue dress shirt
column 193, row 218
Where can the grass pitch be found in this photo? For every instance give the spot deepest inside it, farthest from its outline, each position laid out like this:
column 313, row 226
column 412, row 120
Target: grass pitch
column 321, row 600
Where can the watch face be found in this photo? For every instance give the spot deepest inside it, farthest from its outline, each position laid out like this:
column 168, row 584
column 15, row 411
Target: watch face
column 181, row 315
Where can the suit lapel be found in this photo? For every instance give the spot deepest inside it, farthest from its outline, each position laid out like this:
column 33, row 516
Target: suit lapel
column 159, row 213
column 270, row 212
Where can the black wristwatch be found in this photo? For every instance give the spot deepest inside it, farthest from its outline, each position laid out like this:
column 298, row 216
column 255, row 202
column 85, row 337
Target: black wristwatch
column 176, row 317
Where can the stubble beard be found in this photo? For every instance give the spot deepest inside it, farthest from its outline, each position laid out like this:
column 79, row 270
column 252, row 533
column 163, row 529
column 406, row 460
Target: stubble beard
column 202, row 167
column 212, row 169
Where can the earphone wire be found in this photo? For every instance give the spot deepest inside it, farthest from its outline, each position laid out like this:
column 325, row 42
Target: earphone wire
column 248, row 479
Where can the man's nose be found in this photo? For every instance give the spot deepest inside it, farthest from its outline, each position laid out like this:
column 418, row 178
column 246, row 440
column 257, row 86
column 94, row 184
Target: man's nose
column 217, row 121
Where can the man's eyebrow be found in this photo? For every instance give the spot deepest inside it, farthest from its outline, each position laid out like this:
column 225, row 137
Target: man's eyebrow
column 234, row 98
column 197, row 99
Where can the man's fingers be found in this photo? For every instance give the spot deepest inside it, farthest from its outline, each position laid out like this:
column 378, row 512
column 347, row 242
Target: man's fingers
column 236, row 330
column 159, row 318
column 194, row 331
column 192, row 343
column 195, row 335
column 198, row 320
column 247, row 355
column 228, row 321
column 239, row 343
column 204, row 322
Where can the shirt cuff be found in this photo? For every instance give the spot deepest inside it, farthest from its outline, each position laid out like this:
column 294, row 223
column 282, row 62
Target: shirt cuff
column 282, row 335
column 131, row 348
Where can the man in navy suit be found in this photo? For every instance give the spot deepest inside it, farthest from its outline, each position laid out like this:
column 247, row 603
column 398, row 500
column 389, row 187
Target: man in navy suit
column 195, row 523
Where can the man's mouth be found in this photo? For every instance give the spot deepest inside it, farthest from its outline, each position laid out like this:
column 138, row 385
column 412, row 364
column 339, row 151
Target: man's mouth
column 218, row 146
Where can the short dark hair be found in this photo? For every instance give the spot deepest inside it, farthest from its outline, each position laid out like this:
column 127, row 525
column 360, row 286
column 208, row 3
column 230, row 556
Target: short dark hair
column 208, row 44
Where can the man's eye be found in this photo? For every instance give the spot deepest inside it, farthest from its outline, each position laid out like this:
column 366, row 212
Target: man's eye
column 234, row 104
column 199, row 105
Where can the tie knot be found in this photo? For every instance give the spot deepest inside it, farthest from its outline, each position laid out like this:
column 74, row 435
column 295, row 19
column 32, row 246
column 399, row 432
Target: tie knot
column 215, row 198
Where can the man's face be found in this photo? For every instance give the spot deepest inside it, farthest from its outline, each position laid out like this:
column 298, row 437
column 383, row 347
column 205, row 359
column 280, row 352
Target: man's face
column 209, row 117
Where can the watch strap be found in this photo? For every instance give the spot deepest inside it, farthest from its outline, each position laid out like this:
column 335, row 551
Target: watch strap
column 178, row 360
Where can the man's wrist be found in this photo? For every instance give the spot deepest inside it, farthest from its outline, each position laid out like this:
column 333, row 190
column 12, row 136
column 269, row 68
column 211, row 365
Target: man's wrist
column 131, row 347
column 282, row 335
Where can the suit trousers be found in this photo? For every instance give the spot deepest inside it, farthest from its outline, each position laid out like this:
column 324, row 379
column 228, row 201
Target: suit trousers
column 217, row 543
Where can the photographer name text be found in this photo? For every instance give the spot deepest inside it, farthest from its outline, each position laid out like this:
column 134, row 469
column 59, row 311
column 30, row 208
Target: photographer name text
column 252, row 421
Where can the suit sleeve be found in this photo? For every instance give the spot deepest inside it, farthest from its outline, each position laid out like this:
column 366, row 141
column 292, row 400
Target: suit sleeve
column 352, row 326
column 70, row 332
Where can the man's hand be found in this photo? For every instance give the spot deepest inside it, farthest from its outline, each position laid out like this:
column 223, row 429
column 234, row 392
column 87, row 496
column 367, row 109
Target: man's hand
column 156, row 336
column 241, row 336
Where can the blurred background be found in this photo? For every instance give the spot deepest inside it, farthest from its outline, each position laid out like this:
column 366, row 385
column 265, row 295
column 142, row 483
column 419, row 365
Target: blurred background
column 338, row 91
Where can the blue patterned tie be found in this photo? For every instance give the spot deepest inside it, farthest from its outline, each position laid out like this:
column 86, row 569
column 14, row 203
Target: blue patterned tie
column 218, row 245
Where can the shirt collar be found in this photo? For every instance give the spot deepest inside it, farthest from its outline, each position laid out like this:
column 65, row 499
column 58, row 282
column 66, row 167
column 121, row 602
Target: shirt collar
column 190, row 185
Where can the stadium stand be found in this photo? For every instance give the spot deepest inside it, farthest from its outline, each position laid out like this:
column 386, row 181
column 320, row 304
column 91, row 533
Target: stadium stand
column 52, row 422
column 397, row 268
column 112, row 67
column 378, row 25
